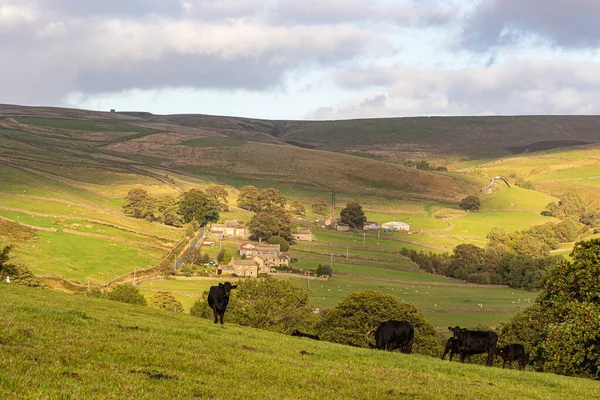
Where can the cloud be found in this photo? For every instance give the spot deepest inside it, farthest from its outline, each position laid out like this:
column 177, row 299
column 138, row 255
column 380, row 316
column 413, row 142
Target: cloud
column 513, row 88
column 569, row 24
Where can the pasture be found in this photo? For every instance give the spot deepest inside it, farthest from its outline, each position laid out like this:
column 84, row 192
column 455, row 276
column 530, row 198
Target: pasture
column 447, row 305
column 54, row 344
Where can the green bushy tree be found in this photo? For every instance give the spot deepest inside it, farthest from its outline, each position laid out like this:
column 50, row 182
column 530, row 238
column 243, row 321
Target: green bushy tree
column 270, row 304
column 356, row 318
column 353, row 215
column 196, row 205
column 470, row 203
column 562, row 329
column 127, row 294
column 165, row 301
column 284, row 245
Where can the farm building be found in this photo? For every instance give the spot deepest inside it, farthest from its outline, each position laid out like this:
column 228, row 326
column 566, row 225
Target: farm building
column 342, row 227
column 246, row 267
column 396, row 226
column 225, row 270
column 370, row 225
column 230, row 229
column 265, row 261
column 251, row 250
column 303, row 235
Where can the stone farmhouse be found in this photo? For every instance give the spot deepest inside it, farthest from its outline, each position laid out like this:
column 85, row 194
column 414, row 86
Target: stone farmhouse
column 304, row 235
column 230, row 229
column 252, row 250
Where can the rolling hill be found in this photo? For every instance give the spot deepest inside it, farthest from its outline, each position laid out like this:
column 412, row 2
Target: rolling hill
column 63, row 346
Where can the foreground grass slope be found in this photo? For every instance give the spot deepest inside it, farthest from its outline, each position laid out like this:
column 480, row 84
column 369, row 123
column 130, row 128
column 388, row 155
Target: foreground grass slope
column 58, row 346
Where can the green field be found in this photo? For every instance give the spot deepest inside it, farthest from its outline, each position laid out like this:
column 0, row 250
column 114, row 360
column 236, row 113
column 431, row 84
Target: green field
column 438, row 302
column 80, row 125
column 63, row 346
column 81, row 258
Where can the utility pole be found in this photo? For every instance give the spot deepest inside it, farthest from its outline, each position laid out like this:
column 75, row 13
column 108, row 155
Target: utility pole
column 346, row 252
column 332, row 204
column 364, row 238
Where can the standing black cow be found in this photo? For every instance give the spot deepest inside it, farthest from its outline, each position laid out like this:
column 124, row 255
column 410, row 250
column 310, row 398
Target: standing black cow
column 513, row 352
column 451, row 347
column 218, row 298
column 394, row 334
column 475, row 342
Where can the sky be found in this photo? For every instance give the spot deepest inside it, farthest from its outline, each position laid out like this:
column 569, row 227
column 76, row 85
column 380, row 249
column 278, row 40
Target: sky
column 304, row 59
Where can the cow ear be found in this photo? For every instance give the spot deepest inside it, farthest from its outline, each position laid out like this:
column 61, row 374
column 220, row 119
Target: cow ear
column 464, row 330
column 220, row 284
column 451, row 329
column 234, row 286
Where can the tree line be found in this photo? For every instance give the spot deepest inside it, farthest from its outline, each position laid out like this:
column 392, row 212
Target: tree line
column 195, row 204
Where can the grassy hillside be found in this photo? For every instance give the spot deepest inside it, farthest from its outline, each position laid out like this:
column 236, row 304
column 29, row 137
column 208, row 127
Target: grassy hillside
column 59, row 346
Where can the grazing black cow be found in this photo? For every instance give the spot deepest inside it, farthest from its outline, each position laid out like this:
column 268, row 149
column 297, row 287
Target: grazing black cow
column 218, row 298
column 394, row 334
column 302, row 334
column 513, row 352
column 475, row 342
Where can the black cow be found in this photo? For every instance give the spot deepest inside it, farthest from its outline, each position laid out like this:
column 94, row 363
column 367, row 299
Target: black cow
column 302, row 334
column 218, row 298
column 394, row 334
column 475, row 342
column 513, row 352
column 451, row 347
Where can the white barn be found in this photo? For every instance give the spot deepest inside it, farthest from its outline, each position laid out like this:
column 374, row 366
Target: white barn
column 396, row 226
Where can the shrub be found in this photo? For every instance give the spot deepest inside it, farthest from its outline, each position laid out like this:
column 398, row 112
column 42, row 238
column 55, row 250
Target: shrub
column 165, row 301
column 127, row 294
column 470, row 203
column 355, row 320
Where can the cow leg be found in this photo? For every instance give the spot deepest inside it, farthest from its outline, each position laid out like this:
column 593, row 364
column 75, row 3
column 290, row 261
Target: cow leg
column 462, row 356
column 216, row 316
column 221, row 317
column 503, row 363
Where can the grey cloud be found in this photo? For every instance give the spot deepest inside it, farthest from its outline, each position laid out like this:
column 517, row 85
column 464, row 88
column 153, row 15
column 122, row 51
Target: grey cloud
column 563, row 23
column 516, row 88
column 175, row 71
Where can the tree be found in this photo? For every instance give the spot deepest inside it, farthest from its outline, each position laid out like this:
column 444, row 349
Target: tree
column 127, row 294
column 470, row 203
column 165, row 301
column 138, row 204
column 353, row 216
column 319, row 206
column 248, row 198
column 18, row 274
column 265, row 224
column 167, row 211
column 562, row 329
column 224, row 257
column 356, row 318
column 196, row 205
column 272, row 304
column 219, row 194
column 270, row 199
column 569, row 204
column 297, row 208
column 283, row 244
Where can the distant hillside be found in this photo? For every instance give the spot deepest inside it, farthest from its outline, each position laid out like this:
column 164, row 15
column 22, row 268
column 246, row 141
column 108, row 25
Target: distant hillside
column 227, row 149
column 392, row 139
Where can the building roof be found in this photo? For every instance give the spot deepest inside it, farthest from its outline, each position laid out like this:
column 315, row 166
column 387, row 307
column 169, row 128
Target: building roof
column 247, row 246
column 240, row 262
column 396, row 223
column 303, row 232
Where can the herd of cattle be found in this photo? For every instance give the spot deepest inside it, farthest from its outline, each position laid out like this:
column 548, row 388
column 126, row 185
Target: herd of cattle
column 393, row 334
